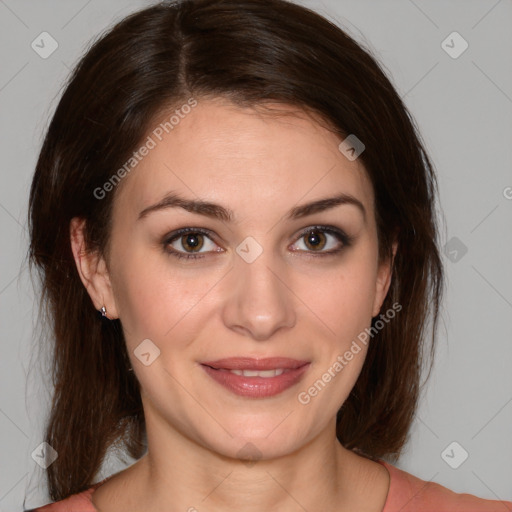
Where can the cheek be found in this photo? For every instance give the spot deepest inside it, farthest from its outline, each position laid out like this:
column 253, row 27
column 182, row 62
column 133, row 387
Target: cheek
column 342, row 298
column 155, row 298
column 343, row 303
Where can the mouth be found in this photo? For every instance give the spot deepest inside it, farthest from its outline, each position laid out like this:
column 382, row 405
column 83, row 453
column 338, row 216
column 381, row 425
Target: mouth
column 256, row 378
column 253, row 364
column 255, row 373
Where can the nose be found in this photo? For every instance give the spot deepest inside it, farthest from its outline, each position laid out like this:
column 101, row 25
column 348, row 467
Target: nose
column 259, row 300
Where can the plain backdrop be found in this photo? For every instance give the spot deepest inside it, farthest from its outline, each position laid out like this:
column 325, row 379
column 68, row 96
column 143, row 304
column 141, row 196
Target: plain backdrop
column 462, row 103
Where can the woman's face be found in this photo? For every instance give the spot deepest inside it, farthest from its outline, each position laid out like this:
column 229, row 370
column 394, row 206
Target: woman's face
column 267, row 283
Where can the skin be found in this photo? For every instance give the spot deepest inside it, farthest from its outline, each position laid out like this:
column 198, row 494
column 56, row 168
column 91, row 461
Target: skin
column 289, row 302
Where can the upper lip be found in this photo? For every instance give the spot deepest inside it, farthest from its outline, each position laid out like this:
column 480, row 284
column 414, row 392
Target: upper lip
column 249, row 363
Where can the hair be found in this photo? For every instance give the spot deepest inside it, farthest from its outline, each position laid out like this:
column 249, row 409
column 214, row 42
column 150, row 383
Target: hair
column 252, row 53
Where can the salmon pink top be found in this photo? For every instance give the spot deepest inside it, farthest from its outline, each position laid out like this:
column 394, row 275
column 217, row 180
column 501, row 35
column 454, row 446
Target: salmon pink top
column 407, row 493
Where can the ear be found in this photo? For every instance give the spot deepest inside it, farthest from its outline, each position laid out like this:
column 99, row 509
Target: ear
column 383, row 282
column 92, row 269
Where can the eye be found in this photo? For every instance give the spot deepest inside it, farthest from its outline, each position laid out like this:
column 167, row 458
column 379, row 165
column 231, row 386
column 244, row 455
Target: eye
column 188, row 242
column 325, row 240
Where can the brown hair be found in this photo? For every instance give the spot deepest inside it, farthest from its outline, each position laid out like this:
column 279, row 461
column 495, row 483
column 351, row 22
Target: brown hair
column 251, row 52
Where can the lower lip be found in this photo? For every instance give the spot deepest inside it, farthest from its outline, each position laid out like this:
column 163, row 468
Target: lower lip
column 256, row 387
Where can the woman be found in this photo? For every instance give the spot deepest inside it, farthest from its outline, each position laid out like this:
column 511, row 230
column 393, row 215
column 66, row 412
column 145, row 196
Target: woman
column 234, row 220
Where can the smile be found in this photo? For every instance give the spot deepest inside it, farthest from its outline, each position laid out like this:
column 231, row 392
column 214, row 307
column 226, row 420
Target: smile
column 256, row 378
column 255, row 373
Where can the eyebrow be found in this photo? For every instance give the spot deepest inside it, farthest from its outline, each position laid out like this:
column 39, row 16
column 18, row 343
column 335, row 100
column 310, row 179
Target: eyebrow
column 216, row 211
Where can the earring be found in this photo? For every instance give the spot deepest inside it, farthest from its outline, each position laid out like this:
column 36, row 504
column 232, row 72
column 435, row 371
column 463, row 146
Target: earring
column 103, row 311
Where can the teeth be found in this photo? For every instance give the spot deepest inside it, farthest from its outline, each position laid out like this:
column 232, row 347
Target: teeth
column 255, row 373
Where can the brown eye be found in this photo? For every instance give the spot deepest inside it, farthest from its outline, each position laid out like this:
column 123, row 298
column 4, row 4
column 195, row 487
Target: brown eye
column 315, row 240
column 192, row 241
column 323, row 240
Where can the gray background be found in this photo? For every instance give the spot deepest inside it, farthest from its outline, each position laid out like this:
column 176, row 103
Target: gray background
column 464, row 109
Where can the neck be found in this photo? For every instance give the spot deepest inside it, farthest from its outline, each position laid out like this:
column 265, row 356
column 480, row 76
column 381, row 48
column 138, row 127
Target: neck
column 182, row 475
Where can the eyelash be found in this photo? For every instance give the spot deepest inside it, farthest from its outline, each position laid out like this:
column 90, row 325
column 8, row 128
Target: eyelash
column 343, row 237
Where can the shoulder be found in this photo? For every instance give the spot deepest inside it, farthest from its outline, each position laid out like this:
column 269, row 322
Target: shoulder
column 408, row 493
column 80, row 502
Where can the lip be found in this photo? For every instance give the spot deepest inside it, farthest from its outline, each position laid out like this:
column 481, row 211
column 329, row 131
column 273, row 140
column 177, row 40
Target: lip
column 256, row 387
column 250, row 363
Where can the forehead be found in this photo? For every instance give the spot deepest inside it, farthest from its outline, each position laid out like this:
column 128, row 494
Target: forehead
column 244, row 158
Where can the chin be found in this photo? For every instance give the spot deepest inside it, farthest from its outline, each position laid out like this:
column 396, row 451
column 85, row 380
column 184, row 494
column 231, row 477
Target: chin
column 246, row 444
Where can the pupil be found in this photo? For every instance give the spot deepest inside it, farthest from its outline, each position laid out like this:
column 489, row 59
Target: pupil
column 314, row 239
column 192, row 241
